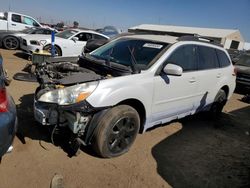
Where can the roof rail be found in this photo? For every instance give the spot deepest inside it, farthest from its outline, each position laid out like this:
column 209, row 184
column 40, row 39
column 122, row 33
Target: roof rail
column 199, row 38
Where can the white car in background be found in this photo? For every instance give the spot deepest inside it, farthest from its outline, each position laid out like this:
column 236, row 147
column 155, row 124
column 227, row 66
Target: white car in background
column 67, row 43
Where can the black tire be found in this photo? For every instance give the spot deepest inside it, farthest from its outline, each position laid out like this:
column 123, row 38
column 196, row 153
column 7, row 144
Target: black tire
column 116, row 131
column 58, row 51
column 11, row 43
column 218, row 104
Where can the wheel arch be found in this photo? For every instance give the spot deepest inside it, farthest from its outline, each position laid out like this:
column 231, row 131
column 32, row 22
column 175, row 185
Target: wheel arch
column 59, row 49
column 139, row 107
column 226, row 89
column 55, row 46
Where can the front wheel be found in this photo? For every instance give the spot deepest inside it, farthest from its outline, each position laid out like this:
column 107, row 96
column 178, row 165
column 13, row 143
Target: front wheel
column 116, row 131
column 11, row 43
column 57, row 50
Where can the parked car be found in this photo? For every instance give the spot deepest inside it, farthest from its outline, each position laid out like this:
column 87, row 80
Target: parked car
column 132, row 83
column 110, row 31
column 11, row 21
column 8, row 118
column 243, row 70
column 93, row 44
column 67, row 43
column 11, row 39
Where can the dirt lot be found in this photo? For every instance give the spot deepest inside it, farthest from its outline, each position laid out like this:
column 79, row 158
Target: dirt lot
column 193, row 152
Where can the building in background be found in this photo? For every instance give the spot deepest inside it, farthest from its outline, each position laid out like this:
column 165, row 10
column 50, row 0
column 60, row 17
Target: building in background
column 247, row 46
column 229, row 38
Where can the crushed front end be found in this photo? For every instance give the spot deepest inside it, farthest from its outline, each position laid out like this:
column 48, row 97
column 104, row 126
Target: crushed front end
column 60, row 100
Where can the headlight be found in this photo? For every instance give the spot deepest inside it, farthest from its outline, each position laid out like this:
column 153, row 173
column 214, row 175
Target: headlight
column 35, row 42
column 69, row 95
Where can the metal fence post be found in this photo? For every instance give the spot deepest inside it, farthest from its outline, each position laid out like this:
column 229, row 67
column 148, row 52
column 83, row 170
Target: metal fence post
column 53, row 43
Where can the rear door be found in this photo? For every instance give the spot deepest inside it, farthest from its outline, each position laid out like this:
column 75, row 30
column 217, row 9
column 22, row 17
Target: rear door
column 208, row 76
column 15, row 23
column 175, row 95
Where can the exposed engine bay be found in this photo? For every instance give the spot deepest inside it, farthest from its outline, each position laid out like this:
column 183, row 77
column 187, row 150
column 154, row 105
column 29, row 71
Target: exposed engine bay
column 58, row 102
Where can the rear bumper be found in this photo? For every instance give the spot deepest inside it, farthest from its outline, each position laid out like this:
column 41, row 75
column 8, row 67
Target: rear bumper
column 243, row 81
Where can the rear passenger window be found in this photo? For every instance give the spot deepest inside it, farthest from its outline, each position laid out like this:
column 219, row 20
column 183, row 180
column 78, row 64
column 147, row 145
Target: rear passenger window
column 16, row 18
column 223, row 59
column 185, row 57
column 207, row 58
column 84, row 36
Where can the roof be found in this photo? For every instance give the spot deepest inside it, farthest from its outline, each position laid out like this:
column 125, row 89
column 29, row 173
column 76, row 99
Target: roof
column 209, row 32
column 158, row 38
column 87, row 30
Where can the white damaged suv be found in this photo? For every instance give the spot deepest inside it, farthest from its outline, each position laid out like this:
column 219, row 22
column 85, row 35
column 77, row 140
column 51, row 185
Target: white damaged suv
column 129, row 85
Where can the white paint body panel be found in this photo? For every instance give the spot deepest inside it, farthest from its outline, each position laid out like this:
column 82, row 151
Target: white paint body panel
column 9, row 25
column 166, row 97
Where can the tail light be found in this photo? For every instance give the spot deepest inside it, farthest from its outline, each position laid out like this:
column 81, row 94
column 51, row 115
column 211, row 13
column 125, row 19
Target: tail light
column 3, row 100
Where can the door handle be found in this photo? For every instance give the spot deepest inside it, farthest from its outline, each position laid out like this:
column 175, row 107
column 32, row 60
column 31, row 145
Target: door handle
column 13, row 24
column 218, row 75
column 192, row 80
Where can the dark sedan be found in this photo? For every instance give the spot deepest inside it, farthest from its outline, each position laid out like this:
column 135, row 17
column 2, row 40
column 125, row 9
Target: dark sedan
column 243, row 70
column 11, row 39
column 8, row 118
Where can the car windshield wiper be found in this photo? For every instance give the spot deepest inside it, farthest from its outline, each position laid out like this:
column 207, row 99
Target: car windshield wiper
column 103, row 61
column 133, row 61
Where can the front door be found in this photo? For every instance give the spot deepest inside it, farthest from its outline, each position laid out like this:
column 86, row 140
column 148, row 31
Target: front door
column 174, row 96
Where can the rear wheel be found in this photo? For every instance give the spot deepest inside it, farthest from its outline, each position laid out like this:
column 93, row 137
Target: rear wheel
column 11, row 43
column 116, row 131
column 218, row 104
column 57, row 50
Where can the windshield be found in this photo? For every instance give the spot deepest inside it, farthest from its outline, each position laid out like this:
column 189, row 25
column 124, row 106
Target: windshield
column 130, row 52
column 66, row 34
column 244, row 60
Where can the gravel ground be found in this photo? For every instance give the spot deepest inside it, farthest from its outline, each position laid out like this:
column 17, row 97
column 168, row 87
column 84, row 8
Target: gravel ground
column 193, row 152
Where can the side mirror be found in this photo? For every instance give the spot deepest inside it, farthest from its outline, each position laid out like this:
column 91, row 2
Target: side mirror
column 171, row 69
column 75, row 39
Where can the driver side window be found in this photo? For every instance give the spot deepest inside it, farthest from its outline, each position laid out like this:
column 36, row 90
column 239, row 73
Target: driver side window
column 185, row 57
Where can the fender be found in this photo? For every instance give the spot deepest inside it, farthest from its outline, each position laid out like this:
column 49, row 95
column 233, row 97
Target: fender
column 112, row 91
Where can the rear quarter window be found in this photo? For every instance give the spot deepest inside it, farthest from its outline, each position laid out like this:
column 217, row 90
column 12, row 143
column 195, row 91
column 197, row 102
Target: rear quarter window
column 207, row 58
column 223, row 59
